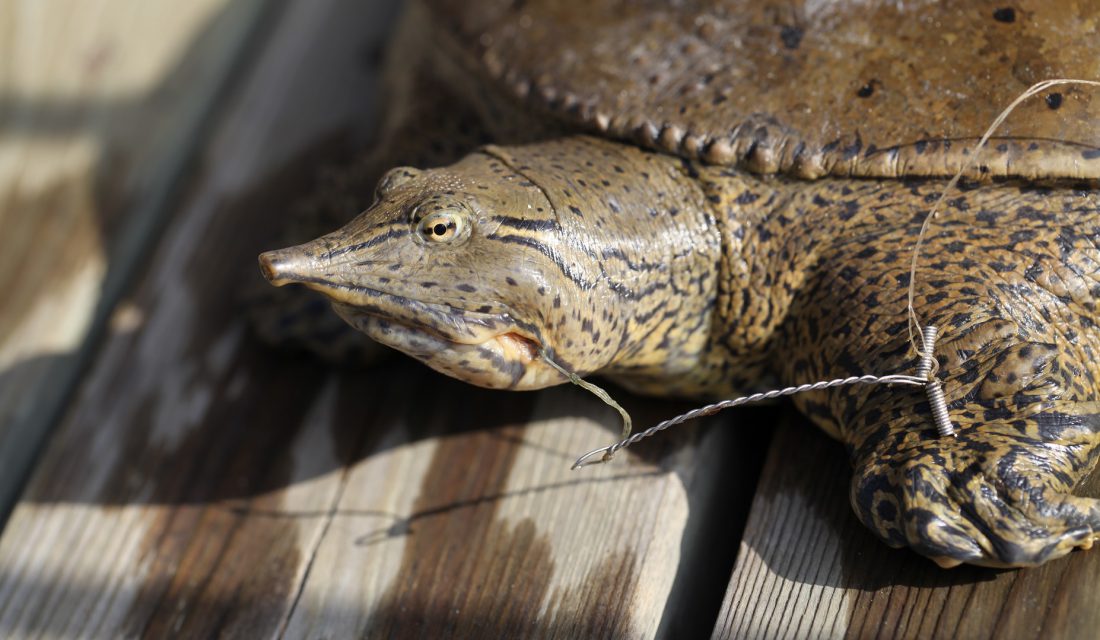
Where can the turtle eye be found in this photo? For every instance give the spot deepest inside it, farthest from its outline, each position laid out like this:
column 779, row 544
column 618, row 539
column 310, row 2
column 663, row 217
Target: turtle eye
column 441, row 226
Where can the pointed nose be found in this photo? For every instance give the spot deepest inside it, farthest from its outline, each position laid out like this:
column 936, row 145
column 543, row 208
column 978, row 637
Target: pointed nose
column 284, row 266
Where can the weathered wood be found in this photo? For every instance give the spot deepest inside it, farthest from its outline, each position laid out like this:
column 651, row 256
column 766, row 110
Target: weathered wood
column 459, row 523
column 99, row 104
column 808, row 568
column 117, row 509
column 203, row 485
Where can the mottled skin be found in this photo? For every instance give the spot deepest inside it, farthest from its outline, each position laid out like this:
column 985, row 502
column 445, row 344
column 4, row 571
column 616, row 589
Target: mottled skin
column 672, row 277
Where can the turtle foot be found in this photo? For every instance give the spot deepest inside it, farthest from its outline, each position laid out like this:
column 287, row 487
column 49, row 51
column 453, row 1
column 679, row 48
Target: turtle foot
column 998, row 496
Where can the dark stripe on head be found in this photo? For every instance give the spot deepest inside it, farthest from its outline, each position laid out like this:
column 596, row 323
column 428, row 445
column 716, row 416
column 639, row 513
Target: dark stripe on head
column 376, row 240
column 614, row 286
column 549, row 253
column 528, row 225
column 617, row 254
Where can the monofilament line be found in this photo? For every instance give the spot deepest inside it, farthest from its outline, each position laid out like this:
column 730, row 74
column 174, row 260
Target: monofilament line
column 593, row 389
column 914, row 322
column 711, row 409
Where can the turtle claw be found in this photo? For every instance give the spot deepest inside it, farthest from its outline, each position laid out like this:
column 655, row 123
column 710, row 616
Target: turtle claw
column 946, row 563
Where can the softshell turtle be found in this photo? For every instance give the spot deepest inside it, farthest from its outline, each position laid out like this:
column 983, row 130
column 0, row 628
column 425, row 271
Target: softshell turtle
column 701, row 197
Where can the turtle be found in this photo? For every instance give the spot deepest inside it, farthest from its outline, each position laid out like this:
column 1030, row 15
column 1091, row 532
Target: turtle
column 703, row 197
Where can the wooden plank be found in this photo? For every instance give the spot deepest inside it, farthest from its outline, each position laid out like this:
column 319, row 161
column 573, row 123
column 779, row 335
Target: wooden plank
column 483, row 531
column 808, row 568
column 130, row 491
column 202, row 485
column 99, row 104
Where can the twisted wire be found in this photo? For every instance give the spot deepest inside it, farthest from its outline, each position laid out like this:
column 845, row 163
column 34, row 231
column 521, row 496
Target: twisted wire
column 711, row 409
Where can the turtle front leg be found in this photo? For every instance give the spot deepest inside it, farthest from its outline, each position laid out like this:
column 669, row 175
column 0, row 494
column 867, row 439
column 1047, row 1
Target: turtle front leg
column 1000, row 493
column 1011, row 291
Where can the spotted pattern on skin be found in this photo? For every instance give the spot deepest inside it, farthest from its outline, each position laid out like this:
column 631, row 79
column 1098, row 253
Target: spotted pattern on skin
column 678, row 278
column 1010, row 275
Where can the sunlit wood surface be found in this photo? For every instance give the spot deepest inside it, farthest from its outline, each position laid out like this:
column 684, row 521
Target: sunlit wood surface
column 101, row 104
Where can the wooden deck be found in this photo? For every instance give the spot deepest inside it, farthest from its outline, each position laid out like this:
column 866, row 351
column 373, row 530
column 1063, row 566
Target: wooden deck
column 165, row 475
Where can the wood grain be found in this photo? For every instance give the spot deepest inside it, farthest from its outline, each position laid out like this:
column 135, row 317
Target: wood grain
column 477, row 527
column 807, row 568
column 124, row 528
column 99, row 104
column 202, row 485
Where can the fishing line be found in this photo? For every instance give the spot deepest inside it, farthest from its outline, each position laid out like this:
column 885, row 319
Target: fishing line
column 1038, row 87
column 928, row 365
column 628, row 423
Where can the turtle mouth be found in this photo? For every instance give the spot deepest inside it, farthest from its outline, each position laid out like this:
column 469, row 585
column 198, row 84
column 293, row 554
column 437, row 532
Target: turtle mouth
column 463, row 329
column 487, row 351
column 428, row 345
column 486, row 347
column 442, row 320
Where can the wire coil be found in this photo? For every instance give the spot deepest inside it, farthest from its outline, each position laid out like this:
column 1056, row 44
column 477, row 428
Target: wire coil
column 938, row 403
column 933, row 388
column 927, row 356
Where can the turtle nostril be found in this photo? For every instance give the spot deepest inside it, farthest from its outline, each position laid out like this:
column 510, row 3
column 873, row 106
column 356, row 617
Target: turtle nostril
column 282, row 266
column 267, row 265
column 309, row 264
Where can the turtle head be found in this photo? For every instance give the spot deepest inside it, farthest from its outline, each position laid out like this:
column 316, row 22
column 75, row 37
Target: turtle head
column 589, row 253
column 466, row 268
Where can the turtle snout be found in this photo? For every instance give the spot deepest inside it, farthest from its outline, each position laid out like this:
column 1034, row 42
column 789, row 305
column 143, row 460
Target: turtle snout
column 284, row 266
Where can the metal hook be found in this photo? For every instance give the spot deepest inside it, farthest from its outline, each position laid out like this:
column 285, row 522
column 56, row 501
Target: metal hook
column 586, row 459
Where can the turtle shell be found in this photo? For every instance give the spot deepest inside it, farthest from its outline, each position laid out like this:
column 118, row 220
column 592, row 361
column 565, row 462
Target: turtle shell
column 806, row 87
